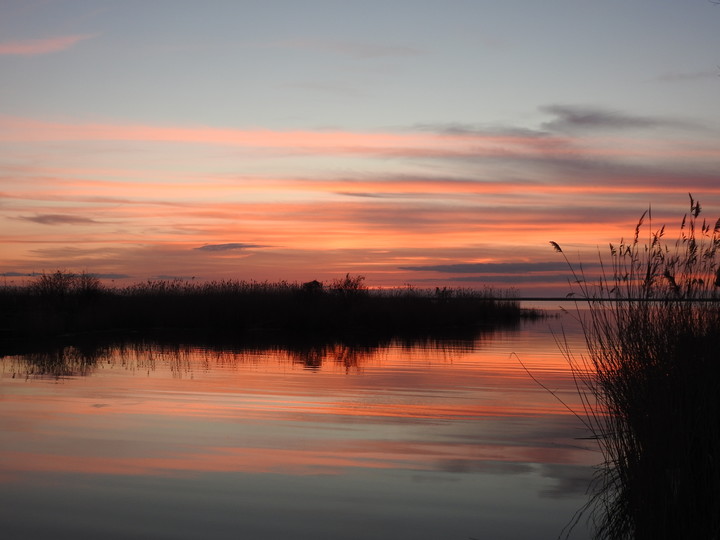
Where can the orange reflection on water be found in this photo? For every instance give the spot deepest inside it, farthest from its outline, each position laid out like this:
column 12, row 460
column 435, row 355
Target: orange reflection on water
column 185, row 411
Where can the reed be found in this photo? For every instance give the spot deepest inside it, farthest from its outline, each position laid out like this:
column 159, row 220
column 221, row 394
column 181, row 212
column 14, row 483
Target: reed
column 64, row 303
column 649, row 381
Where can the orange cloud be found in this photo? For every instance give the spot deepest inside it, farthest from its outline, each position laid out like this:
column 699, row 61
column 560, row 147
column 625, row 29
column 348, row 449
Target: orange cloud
column 33, row 47
column 340, row 142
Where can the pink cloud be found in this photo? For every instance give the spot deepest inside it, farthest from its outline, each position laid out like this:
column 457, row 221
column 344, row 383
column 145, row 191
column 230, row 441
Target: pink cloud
column 33, row 47
column 348, row 143
column 17, row 129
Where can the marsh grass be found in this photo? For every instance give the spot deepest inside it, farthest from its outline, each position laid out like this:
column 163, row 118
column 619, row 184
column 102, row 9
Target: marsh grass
column 650, row 381
column 64, row 303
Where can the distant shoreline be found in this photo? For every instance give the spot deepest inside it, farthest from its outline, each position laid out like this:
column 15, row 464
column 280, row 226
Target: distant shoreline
column 75, row 306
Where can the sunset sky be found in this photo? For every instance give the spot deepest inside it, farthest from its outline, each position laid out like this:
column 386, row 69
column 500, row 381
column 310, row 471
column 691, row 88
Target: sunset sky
column 424, row 142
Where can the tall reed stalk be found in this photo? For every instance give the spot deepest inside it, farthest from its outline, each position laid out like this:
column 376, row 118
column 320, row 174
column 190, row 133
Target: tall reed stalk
column 650, row 381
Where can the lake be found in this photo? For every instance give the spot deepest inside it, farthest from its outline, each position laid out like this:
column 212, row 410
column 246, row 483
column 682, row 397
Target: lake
column 446, row 440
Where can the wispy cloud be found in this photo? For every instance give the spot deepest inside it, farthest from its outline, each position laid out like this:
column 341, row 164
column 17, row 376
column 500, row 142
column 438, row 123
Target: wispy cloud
column 329, row 88
column 353, row 49
column 457, row 144
column 372, row 195
column 93, row 274
column 683, row 76
column 33, row 47
column 508, row 273
column 479, row 130
column 228, row 247
column 112, row 276
column 58, row 219
column 298, row 142
column 484, row 268
column 545, row 279
column 572, row 118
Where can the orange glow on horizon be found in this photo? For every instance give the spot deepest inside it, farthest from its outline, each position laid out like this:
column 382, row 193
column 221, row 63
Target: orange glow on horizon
column 495, row 197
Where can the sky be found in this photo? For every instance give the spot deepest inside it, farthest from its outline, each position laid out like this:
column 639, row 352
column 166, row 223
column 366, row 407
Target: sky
column 425, row 142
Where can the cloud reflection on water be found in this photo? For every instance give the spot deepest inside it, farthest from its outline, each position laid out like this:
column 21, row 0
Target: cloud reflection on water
column 455, row 415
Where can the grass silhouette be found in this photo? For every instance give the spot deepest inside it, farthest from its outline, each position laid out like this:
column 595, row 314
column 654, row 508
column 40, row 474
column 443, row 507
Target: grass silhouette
column 650, row 382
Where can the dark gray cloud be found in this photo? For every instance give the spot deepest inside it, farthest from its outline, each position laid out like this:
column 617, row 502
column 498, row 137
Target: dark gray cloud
column 575, row 118
column 680, row 76
column 387, row 195
column 570, row 163
column 479, row 130
column 58, row 219
column 514, row 278
column 485, row 268
column 92, row 274
column 435, row 215
column 227, row 247
column 513, row 273
column 361, row 194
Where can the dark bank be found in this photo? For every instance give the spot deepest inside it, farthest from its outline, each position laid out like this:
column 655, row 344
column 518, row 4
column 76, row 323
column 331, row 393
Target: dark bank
column 70, row 305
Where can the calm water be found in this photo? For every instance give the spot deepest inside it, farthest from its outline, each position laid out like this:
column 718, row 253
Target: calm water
column 451, row 442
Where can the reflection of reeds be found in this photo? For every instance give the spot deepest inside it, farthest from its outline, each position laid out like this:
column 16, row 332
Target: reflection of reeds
column 59, row 362
column 56, row 360
column 65, row 303
column 651, row 373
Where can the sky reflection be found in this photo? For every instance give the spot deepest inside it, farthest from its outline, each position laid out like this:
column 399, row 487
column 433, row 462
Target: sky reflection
column 467, row 418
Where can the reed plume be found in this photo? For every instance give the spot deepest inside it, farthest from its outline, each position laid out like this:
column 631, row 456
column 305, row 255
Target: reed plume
column 649, row 381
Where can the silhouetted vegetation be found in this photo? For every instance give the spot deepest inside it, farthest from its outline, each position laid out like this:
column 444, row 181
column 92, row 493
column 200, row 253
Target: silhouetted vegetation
column 650, row 383
column 63, row 303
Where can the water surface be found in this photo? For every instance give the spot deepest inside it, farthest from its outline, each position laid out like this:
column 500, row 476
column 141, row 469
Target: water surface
column 425, row 442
